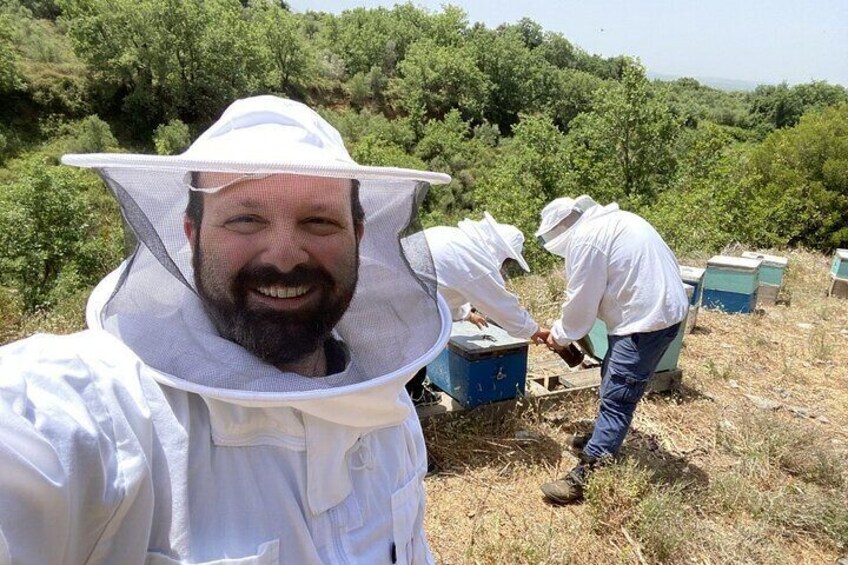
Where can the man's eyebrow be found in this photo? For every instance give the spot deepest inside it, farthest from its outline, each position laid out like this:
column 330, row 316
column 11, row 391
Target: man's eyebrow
column 249, row 203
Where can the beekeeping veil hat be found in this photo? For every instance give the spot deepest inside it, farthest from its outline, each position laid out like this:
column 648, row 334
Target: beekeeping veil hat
column 559, row 216
column 395, row 322
column 500, row 241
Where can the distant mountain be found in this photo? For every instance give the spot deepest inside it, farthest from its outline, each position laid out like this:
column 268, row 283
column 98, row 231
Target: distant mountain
column 726, row 84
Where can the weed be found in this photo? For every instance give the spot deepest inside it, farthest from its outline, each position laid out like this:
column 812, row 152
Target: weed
column 613, row 494
column 664, row 524
column 821, row 344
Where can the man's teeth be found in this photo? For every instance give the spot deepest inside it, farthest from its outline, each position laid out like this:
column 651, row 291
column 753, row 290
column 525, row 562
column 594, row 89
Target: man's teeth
column 283, row 291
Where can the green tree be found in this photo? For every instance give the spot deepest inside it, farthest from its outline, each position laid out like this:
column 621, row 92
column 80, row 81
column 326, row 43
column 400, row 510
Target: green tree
column 780, row 106
column 448, row 146
column 433, row 79
column 10, row 75
column 294, row 62
column 168, row 58
column 799, row 179
column 527, row 174
column 709, row 205
column 59, row 232
column 516, row 73
column 624, row 147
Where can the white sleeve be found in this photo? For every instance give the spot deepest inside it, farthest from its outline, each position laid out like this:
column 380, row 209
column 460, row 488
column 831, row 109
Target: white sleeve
column 587, row 284
column 489, row 295
column 72, row 466
column 461, row 312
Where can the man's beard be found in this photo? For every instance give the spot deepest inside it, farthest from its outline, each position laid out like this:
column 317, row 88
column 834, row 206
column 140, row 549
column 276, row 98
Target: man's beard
column 277, row 337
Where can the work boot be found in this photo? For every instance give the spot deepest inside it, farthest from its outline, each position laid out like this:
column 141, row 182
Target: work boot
column 577, row 441
column 569, row 489
column 425, row 396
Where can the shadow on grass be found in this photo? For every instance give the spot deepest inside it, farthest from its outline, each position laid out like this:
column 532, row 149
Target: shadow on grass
column 665, row 467
column 488, row 438
column 681, row 394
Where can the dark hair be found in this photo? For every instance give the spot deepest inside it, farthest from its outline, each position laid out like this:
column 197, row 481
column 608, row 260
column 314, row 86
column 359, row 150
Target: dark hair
column 194, row 208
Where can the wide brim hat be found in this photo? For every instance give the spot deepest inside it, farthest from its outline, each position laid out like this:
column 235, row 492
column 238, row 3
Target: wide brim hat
column 148, row 306
column 263, row 134
column 494, row 230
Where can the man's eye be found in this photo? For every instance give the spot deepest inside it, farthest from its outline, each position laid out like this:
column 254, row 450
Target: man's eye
column 245, row 224
column 322, row 225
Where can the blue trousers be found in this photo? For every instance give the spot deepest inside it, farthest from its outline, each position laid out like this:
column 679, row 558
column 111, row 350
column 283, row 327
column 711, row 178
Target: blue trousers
column 627, row 367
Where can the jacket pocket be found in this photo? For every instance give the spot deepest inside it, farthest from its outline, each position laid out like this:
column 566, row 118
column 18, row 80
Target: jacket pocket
column 410, row 547
column 268, row 554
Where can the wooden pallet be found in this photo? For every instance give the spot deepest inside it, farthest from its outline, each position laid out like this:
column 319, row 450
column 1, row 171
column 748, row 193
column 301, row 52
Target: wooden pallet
column 548, row 383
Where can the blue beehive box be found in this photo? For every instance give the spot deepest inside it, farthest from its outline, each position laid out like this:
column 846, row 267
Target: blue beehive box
column 480, row 365
column 693, row 276
column 839, row 268
column 731, row 284
column 600, row 344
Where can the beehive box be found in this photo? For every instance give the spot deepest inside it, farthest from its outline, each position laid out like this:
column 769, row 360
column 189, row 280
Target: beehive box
column 692, row 315
column 597, row 338
column 480, row 365
column 839, row 267
column 693, row 276
column 772, row 271
column 731, row 284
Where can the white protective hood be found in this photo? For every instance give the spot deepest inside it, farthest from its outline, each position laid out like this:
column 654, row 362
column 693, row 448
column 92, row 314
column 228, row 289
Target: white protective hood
column 497, row 242
column 395, row 323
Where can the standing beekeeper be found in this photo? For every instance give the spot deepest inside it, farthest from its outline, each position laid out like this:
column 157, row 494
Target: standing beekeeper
column 239, row 396
column 470, row 262
column 619, row 270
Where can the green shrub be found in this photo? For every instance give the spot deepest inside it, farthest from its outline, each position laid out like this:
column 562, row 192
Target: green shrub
column 172, row 138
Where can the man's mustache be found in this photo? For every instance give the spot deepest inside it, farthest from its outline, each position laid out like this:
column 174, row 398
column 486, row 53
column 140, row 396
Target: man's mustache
column 268, row 275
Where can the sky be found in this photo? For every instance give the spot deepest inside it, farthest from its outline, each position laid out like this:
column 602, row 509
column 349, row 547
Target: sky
column 756, row 41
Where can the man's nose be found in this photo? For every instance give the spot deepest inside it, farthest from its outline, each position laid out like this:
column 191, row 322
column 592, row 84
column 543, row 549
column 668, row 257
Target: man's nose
column 285, row 249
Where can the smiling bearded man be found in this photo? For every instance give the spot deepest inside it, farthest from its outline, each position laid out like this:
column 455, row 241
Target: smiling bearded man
column 276, row 261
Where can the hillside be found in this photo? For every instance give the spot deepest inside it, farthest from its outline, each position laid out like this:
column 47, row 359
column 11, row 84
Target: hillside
column 706, row 476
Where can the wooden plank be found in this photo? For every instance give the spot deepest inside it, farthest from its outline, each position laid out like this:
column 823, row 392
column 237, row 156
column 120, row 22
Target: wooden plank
column 573, row 383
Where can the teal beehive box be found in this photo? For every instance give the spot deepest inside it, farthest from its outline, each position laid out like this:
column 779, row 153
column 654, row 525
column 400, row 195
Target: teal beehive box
column 731, row 284
column 839, row 268
column 598, row 340
column 772, row 269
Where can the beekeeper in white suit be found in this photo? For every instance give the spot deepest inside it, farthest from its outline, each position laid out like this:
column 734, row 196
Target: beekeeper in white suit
column 239, row 396
column 470, row 260
column 620, row 270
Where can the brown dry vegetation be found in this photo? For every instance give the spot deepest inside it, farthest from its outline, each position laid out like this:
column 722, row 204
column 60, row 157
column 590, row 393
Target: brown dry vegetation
column 705, row 476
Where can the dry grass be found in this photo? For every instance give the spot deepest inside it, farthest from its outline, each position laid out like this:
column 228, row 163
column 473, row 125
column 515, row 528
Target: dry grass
column 705, row 476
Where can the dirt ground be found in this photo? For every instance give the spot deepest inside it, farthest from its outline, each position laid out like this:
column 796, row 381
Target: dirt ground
column 744, row 463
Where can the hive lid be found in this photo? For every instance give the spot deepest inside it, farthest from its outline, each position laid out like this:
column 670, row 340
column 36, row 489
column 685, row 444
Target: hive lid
column 468, row 337
column 770, row 260
column 691, row 274
column 735, row 263
column 842, row 254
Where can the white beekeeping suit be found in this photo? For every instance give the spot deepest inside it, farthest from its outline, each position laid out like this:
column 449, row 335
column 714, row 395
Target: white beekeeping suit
column 149, row 438
column 618, row 269
column 468, row 261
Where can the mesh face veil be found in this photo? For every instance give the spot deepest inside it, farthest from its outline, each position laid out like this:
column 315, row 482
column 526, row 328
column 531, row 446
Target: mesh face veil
column 276, row 263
